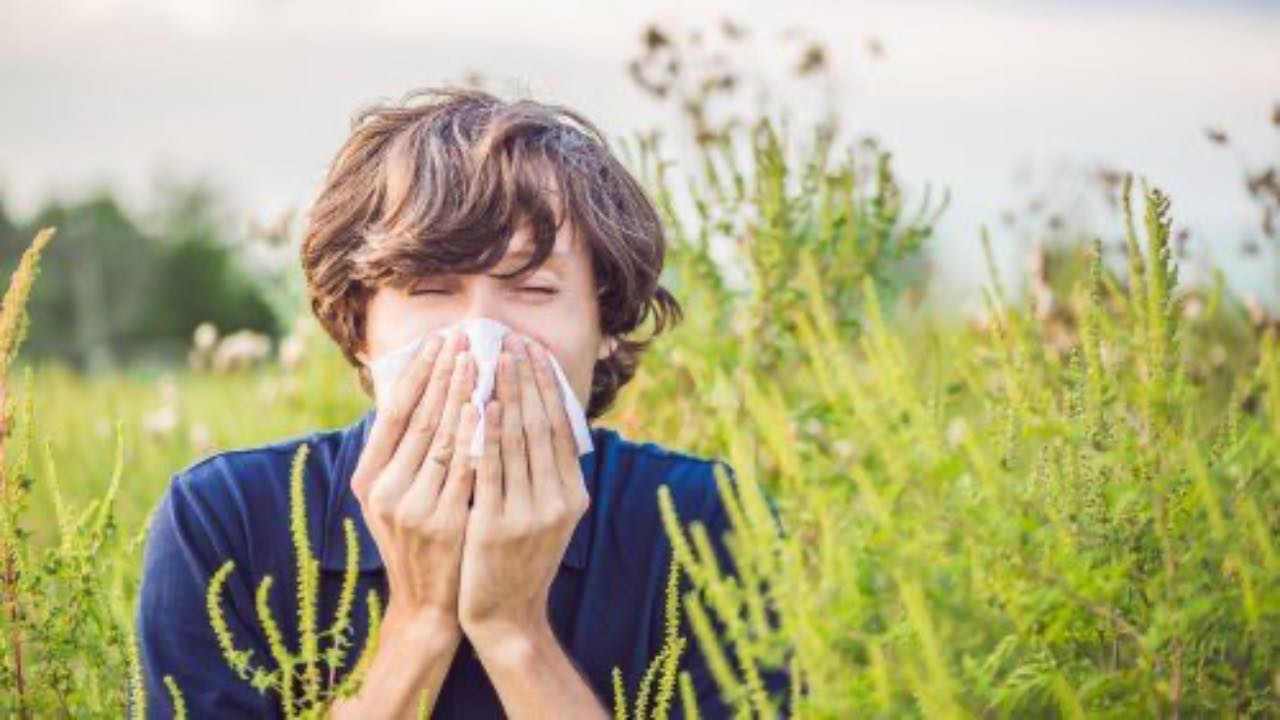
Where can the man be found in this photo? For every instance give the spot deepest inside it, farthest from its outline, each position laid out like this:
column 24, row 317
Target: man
column 513, row 584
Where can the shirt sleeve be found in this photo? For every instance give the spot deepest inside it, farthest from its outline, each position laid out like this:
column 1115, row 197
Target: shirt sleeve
column 777, row 681
column 186, row 544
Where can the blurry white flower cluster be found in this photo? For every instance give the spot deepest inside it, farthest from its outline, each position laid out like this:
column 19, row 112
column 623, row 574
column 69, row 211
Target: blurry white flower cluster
column 241, row 350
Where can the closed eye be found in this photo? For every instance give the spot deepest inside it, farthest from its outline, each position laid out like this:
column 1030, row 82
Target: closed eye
column 434, row 291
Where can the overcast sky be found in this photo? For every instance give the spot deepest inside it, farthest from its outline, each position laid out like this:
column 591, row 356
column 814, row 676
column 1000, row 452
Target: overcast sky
column 991, row 99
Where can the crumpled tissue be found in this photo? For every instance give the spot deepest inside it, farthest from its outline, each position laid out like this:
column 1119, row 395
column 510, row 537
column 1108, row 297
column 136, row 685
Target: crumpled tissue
column 485, row 336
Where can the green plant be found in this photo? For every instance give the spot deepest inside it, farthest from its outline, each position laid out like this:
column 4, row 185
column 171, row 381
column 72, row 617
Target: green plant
column 296, row 677
column 64, row 628
column 662, row 667
column 1008, row 522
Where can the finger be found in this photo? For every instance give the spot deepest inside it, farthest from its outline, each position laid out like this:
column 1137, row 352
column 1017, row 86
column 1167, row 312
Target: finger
column 488, row 483
column 458, row 486
column 544, row 476
column 435, row 465
column 562, row 441
column 515, row 465
column 428, row 416
column 393, row 417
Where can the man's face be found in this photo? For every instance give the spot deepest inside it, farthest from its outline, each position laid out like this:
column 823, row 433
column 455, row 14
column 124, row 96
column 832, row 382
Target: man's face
column 555, row 305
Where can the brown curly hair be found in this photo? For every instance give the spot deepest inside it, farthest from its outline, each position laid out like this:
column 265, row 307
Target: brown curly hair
column 437, row 183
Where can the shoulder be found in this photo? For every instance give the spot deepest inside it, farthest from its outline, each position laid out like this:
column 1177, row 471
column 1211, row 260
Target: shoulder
column 690, row 478
column 242, row 464
column 635, row 475
column 238, row 498
column 258, row 471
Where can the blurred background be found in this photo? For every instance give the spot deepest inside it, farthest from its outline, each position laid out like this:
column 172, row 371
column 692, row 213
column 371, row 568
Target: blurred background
column 177, row 143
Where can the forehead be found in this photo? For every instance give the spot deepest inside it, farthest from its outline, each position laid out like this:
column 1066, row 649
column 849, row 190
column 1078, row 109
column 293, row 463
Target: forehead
column 568, row 247
column 521, row 248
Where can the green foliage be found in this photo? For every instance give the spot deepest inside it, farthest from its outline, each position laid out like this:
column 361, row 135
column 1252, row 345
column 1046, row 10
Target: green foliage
column 121, row 288
column 845, row 213
column 1008, row 522
column 65, row 608
column 301, row 692
column 662, row 668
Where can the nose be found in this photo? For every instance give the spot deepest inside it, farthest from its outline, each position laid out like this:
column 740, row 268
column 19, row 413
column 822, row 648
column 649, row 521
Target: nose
column 483, row 303
column 488, row 304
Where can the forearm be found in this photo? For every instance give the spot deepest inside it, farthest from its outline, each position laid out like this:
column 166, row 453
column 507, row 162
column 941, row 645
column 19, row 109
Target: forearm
column 534, row 676
column 412, row 658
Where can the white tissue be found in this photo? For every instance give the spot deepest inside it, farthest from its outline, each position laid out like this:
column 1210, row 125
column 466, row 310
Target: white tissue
column 485, row 336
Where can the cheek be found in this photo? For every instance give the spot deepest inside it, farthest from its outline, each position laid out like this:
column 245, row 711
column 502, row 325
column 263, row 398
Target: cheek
column 391, row 320
column 576, row 355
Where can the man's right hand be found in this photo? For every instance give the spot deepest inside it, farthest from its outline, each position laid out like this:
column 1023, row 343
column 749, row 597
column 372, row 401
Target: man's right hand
column 414, row 481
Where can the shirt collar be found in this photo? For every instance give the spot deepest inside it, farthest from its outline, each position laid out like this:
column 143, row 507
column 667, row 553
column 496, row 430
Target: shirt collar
column 353, row 438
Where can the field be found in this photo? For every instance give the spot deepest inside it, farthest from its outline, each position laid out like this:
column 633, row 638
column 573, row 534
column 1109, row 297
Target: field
column 1065, row 507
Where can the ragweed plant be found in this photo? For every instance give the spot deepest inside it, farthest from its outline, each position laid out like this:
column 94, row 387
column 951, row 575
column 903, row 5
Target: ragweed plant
column 662, row 668
column 982, row 525
column 296, row 677
column 65, row 618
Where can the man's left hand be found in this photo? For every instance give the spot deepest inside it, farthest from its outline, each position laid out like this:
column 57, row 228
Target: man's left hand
column 529, row 495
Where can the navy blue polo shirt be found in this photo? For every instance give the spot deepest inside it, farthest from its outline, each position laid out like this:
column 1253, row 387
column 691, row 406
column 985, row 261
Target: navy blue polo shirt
column 606, row 601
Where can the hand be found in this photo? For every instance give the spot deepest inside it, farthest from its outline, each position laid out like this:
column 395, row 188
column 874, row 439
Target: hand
column 414, row 480
column 529, row 496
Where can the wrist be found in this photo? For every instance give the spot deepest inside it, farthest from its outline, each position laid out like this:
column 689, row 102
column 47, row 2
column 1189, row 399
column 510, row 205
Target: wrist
column 413, row 653
column 512, row 644
column 423, row 628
